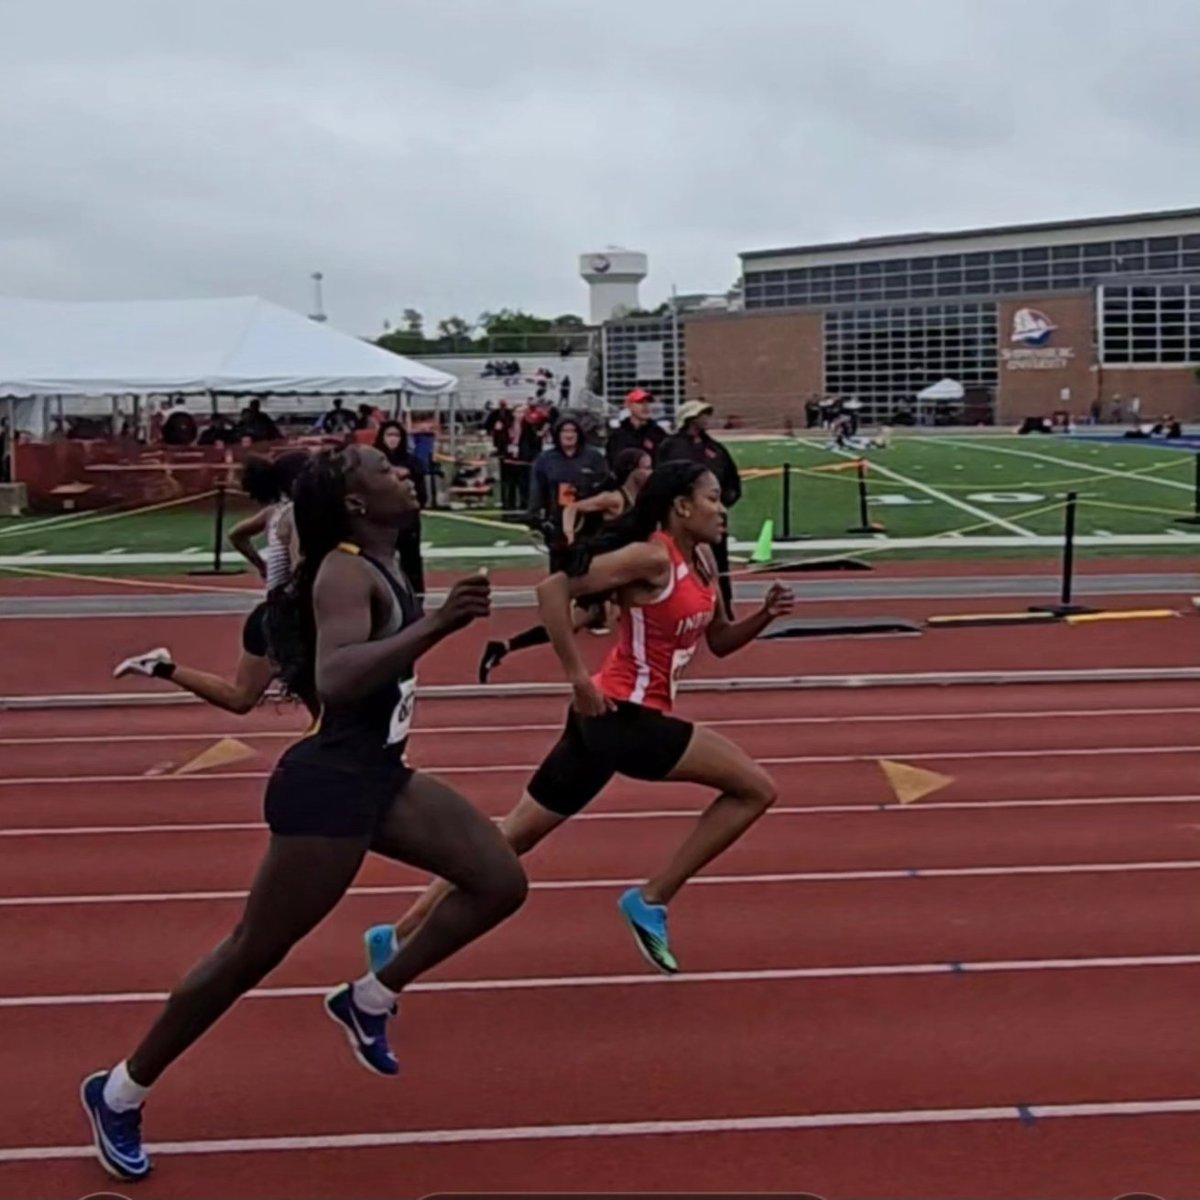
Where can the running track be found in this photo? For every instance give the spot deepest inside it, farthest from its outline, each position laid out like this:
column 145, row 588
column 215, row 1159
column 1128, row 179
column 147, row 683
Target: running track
column 990, row 993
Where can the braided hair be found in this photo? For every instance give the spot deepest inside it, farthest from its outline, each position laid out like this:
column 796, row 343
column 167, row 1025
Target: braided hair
column 322, row 522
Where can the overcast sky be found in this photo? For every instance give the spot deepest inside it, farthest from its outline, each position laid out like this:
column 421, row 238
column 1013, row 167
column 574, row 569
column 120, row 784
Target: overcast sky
column 458, row 156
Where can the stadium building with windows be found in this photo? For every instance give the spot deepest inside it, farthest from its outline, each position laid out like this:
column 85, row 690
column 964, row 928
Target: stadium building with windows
column 1097, row 317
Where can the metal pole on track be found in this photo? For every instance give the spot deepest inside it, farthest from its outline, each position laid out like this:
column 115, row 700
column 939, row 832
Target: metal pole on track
column 1194, row 519
column 1065, row 607
column 218, row 540
column 865, row 525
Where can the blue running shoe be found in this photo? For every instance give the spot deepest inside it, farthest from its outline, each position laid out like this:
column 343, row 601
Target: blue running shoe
column 381, row 944
column 367, row 1032
column 118, row 1135
column 648, row 923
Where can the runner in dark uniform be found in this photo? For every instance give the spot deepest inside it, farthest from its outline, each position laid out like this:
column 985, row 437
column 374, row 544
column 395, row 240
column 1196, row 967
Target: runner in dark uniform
column 347, row 634
column 581, row 519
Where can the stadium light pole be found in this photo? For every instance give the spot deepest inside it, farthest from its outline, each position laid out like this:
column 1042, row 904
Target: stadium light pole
column 675, row 350
column 318, row 313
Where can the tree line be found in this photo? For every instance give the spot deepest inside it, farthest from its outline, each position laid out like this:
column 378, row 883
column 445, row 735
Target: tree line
column 507, row 331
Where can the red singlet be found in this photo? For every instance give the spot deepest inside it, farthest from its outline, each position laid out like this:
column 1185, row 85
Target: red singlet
column 657, row 640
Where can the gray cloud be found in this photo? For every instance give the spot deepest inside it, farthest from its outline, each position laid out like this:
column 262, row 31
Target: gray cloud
column 458, row 156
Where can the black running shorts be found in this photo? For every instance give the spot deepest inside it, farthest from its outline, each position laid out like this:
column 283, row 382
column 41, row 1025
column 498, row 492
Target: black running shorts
column 312, row 793
column 635, row 741
column 254, row 632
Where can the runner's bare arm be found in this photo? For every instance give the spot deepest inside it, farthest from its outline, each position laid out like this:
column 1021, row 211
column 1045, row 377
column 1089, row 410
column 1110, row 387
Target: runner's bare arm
column 605, row 502
column 242, row 535
column 348, row 662
column 641, row 562
column 725, row 636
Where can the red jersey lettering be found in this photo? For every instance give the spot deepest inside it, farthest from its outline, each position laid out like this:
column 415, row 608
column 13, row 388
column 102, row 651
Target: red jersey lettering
column 658, row 640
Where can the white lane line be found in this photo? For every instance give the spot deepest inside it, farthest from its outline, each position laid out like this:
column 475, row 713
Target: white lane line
column 1089, row 468
column 944, row 498
column 556, row 726
column 567, row 982
column 1022, row 1114
column 578, row 885
column 652, row 814
column 903, row 755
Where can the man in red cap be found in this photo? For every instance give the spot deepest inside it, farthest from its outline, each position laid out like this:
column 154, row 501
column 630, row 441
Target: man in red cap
column 637, row 431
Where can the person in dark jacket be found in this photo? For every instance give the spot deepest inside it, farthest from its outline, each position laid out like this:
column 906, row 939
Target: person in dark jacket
column 692, row 441
column 637, row 431
column 392, row 441
column 569, row 470
column 582, row 518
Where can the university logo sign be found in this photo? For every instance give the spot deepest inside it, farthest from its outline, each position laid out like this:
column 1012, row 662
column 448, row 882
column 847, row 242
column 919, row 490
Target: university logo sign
column 1031, row 327
column 1032, row 331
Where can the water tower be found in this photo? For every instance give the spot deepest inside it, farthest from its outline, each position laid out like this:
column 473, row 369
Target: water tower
column 612, row 275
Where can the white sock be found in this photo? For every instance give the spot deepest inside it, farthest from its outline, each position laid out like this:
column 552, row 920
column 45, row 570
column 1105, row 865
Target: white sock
column 372, row 996
column 120, row 1092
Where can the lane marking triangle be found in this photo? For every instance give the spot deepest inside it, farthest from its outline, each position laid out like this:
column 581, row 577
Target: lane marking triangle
column 910, row 784
column 219, row 754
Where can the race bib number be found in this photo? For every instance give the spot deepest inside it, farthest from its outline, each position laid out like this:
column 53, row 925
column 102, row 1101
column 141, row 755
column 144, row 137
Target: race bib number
column 679, row 662
column 402, row 714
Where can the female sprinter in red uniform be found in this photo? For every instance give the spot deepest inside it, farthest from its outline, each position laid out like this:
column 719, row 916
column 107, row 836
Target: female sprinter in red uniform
column 658, row 562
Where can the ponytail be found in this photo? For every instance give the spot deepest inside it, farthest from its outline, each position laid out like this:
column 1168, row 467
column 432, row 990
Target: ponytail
column 321, row 520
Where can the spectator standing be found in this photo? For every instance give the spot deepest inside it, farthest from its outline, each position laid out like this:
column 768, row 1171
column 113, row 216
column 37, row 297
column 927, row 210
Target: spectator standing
column 338, row 420
column 257, row 425
column 693, row 442
column 392, row 442
column 637, row 431
column 569, row 471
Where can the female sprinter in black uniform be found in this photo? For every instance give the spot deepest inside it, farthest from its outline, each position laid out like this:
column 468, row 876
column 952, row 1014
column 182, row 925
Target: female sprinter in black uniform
column 270, row 483
column 581, row 520
column 660, row 564
column 347, row 643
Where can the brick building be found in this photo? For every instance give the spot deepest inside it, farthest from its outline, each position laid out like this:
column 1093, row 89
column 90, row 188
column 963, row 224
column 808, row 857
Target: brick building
column 1029, row 319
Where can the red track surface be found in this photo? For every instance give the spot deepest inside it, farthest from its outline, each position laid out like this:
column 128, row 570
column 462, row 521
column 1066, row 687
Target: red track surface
column 91, row 906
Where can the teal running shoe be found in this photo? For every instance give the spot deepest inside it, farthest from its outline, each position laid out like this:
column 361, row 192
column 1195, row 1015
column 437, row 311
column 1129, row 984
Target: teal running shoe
column 648, row 923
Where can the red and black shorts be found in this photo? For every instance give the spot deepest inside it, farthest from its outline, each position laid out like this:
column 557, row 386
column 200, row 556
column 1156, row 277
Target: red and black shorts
column 634, row 741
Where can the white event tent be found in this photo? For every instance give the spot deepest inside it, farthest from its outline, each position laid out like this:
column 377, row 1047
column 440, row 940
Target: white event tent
column 234, row 345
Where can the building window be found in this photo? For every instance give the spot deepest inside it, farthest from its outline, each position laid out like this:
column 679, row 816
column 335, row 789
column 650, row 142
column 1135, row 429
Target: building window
column 983, row 272
column 642, row 353
column 885, row 356
column 1149, row 323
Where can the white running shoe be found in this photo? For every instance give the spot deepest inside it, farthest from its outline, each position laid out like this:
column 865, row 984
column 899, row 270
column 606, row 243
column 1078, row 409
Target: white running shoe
column 143, row 664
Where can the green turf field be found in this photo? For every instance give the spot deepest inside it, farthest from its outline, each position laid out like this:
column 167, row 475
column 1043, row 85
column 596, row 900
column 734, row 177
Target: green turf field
column 977, row 496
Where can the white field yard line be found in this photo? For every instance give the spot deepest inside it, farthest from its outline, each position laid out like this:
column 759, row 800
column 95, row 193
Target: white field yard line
column 556, row 726
column 652, row 814
column 581, row 885
column 943, row 497
column 1022, row 1114
column 1093, row 468
column 752, row 975
column 785, row 760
